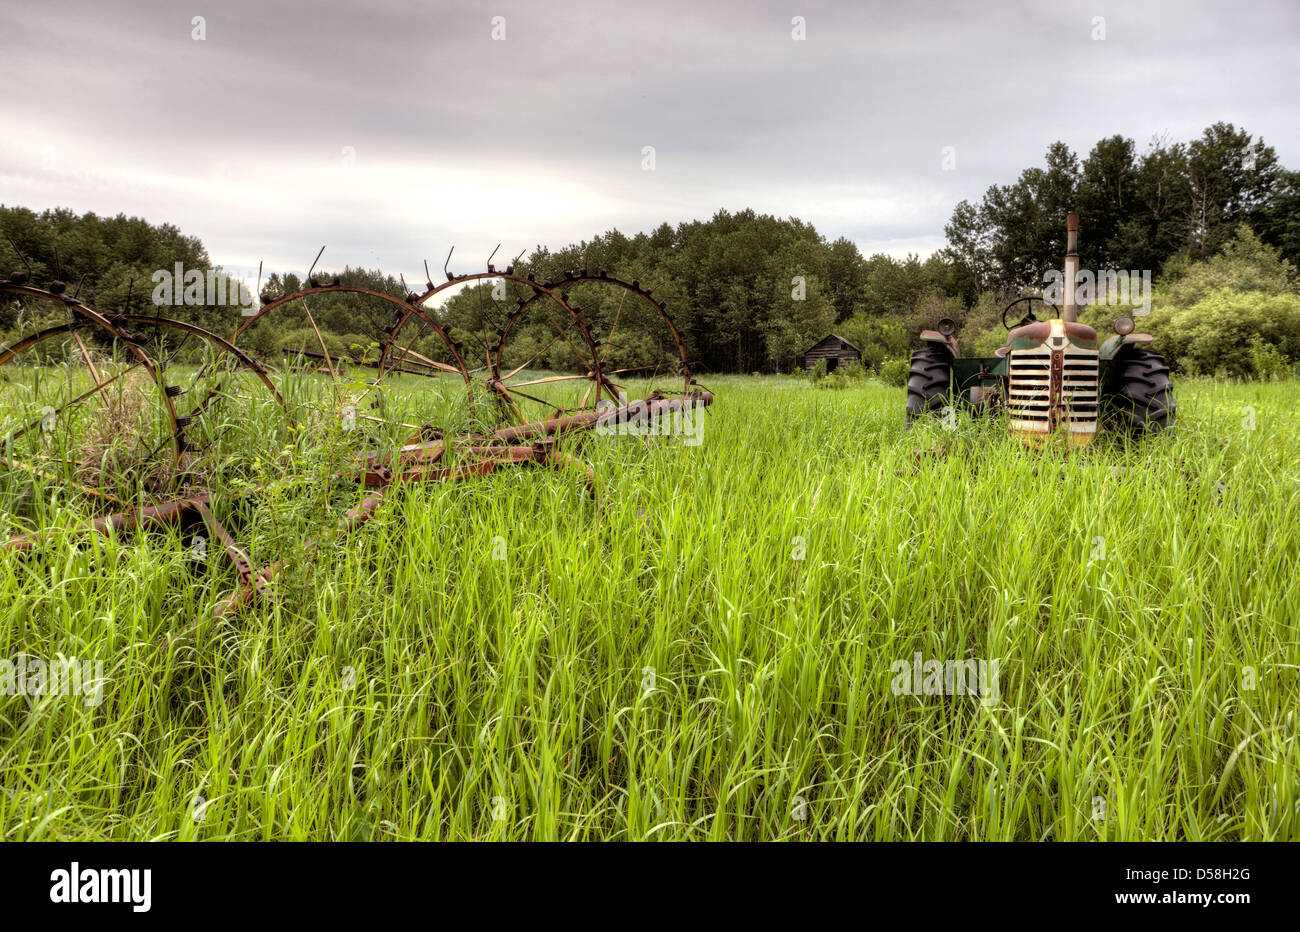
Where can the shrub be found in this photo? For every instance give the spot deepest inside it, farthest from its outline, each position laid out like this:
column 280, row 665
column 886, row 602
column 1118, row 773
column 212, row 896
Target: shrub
column 304, row 338
column 981, row 332
column 1241, row 335
column 845, row 376
column 878, row 337
column 1269, row 363
column 895, row 371
column 1245, row 264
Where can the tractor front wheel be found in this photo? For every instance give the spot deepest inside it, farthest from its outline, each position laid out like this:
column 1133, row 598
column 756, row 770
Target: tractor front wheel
column 929, row 381
column 1138, row 394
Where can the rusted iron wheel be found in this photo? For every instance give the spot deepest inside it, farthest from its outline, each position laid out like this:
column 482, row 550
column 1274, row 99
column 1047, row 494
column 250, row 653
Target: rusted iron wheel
column 96, row 394
column 668, row 360
column 511, row 404
column 380, row 315
column 401, row 310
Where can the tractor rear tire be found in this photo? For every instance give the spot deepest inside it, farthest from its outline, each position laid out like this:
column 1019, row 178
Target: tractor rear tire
column 929, row 381
column 1138, row 395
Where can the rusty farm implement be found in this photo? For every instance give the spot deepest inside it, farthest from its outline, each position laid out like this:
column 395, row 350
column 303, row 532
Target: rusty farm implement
column 137, row 414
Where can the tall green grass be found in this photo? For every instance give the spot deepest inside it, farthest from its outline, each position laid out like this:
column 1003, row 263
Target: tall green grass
column 706, row 654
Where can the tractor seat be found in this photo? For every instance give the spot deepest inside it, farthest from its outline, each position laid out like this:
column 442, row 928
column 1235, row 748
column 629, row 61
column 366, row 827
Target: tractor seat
column 1001, row 352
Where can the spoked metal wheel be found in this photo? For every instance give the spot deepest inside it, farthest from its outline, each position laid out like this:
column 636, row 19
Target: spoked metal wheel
column 640, row 347
column 366, row 382
column 553, row 365
column 119, row 408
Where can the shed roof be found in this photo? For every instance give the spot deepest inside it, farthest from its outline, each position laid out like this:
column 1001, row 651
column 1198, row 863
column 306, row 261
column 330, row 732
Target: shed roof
column 835, row 336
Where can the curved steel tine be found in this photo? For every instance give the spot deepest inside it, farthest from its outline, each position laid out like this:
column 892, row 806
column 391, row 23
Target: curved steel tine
column 22, row 258
column 314, row 261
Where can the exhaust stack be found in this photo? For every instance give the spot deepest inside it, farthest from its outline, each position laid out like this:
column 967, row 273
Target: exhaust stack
column 1070, row 311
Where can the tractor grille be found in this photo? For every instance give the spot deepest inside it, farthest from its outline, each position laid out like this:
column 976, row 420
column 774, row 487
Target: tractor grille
column 1051, row 385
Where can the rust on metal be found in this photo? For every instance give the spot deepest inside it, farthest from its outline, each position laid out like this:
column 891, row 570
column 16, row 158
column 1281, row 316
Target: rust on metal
column 150, row 515
column 428, row 456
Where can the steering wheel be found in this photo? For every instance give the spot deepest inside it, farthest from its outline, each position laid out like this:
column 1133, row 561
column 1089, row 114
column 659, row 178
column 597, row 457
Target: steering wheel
column 1028, row 317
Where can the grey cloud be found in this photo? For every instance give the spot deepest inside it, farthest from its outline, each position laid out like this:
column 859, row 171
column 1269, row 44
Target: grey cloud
column 241, row 139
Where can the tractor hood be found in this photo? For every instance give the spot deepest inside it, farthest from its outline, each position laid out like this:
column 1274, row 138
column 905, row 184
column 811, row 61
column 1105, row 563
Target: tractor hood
column 1036, row 334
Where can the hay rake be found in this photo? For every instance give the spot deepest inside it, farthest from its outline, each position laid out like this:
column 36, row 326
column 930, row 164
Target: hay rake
column 164, row 392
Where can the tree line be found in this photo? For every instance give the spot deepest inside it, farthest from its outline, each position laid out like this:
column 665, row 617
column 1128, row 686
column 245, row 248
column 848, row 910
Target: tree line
column 751, row 292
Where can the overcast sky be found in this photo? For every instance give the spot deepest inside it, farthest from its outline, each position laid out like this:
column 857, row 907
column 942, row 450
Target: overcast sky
column 390, row 131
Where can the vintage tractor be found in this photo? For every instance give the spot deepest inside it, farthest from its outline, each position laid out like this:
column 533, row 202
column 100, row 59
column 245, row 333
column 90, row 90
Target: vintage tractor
column 1051, row 375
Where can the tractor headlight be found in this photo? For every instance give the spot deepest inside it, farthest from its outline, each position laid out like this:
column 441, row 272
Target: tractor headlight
column 946, row 326
column 1124, row 325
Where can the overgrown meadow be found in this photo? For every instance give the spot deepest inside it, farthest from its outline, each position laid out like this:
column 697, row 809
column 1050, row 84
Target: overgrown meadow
column 712, row 650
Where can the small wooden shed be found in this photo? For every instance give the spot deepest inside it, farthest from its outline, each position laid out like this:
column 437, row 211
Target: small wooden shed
column 834, row 349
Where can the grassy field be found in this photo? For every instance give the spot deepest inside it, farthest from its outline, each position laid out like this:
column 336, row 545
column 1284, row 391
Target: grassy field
column 712, row 653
